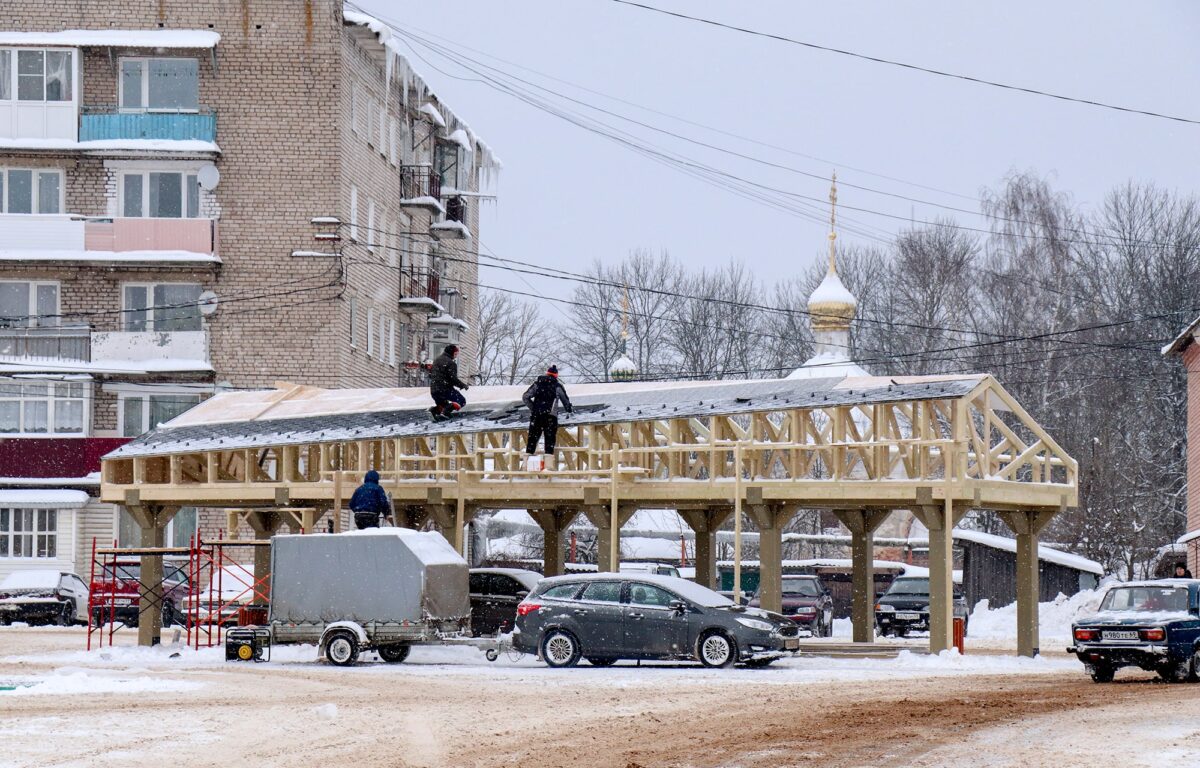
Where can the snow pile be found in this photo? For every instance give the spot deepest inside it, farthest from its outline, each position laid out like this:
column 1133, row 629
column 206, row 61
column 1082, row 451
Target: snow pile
column 70, row 682
column 1054, row 618
column 328, row 711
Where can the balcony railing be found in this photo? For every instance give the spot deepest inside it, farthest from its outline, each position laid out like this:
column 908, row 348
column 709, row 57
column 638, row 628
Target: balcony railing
column 421, row 284
column 54, row 457
column 419, row 181
column 107, row 123
column 66, row 342
column 76, row 234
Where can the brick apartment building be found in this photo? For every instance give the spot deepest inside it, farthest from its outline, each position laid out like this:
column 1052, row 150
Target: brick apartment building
column 170, row 175
column 1185, row 347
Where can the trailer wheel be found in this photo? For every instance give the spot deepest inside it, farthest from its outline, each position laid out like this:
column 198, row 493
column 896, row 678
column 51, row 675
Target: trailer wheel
column 342, row 648
column 393, row 654
column 491, row 654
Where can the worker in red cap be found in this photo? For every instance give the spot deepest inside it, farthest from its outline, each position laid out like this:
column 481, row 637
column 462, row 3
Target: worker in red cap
column 542, row 399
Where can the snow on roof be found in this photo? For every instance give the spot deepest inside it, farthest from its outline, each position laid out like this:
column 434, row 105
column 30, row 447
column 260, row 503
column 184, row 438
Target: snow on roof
column 1181, row 341
column 112, row 257
column 92, row 478
column 827, row 364
column 689, row 590
column 833, row 291
column 444, row 319
column 623, row 365
column 451, row 226
column 33, row 579
column 462, row 139
column 190, row 146
column 1044, row 553
column 1189, row 536
column 422, row 301
column 116, row 38
column 907, row 569
column 425, row 201
column 43, row 498
column 129, row 367
column 433, row 114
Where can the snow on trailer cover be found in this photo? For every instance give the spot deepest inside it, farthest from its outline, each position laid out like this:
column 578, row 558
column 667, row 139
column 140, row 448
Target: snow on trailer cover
column 371, row 577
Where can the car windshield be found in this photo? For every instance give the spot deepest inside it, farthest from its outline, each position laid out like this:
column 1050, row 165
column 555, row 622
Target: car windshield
column 133, row 572
column 801, row 587
column 909, row 587
column 1146, row 600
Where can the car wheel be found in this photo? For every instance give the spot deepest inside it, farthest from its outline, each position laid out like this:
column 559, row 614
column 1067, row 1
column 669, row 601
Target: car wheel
column 560, row 649
column 1176, row 671
column 901, row 632
column 717, row 649
column 342, row 648
column 1101, row 673
column 67, row 617
column 394, row 654
column 601, row 661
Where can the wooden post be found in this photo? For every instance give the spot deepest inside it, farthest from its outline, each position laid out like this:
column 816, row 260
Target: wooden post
column 862, row 525
column 941, row 577
column 770, row 521
column 1027, row 526
column 614, row 534
column 460, row 510
column 737, row 523
column 337, row 501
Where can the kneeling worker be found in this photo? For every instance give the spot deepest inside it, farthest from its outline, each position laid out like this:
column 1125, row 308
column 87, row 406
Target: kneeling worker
column 542, row 399
column 370, row 502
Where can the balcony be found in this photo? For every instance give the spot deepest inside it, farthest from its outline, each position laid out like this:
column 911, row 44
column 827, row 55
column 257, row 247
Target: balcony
column 54, row 457
column 63, row 343
column 109, row 124
column 420, row 290
column 152, row 351
column 68, row 238
column 420, row 188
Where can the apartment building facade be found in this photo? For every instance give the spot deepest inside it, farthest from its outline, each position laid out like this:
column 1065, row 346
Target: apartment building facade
column 205, row 195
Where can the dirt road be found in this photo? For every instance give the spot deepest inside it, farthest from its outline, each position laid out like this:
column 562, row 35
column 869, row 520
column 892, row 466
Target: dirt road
column 450, row 708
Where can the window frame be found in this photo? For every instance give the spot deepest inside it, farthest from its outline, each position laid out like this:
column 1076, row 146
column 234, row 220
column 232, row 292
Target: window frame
column 14, row 81
column 189, row 179
column 123, row 399
column 39, row 517
column 145, row 87
column 32, row 308
column 151, row 321
column 354, row 212
column 370, row 331
column 51, row 399
column 353, row 301
column 35, row 189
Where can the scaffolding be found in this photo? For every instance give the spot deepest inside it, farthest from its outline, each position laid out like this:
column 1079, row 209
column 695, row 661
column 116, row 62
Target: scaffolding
column 206, row 605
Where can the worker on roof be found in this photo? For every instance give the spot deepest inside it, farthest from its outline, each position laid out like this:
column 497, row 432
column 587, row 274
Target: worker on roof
column 542, row 399
column 370, row 502
column 444, row 385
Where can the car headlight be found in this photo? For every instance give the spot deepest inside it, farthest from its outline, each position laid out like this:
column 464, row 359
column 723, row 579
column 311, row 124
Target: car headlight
column 762, row 626
column 885, row 608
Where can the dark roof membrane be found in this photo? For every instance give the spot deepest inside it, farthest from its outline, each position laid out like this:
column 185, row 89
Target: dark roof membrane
column 704, row 399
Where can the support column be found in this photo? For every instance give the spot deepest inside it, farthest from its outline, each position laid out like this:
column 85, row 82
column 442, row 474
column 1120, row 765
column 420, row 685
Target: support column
column 554, row 522
column 1028, row 527
column 704, row 524
column 153, row 522
column 862, row 524
column 940, row 519
column 608, row 540
column 446, row 518
column 265, row 524
column 770, row 521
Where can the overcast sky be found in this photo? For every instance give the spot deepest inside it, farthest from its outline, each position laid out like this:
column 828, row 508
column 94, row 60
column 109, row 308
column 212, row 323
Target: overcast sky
column 568, row 197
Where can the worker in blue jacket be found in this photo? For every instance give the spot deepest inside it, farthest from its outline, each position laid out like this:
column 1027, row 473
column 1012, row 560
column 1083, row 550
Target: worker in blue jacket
column 370, row 502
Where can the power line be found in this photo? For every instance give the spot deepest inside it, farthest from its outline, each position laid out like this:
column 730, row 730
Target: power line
column 906, row 65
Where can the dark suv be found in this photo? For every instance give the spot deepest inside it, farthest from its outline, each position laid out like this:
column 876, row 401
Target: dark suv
column 904, row 607
column 807, row 602
column 604, row 617
column 495, row 593
column 1154, row 625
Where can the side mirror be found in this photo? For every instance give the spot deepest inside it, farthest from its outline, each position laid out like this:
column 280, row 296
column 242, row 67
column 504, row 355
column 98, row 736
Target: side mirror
column 522, row 594
column 679, row 606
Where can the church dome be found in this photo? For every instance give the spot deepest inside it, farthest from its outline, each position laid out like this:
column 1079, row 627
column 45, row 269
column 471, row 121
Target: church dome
column 831, row 306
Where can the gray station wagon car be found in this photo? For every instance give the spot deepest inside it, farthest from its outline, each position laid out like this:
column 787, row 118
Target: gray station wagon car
column 604, row 617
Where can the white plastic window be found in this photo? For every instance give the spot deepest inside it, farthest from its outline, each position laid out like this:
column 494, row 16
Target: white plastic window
column 162, row 307
column 159, row 85
column 353, row 305
column 31, row 533
column 31, row 190
column 44, row 75
column 141, row 413
column 28, row 304
column 31, row 407
column 353, row 213
column 370, row 331
column 160, row 195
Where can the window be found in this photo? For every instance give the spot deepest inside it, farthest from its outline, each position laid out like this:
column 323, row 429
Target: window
column 355, row 108
column 160, row 85
column 162, row 307
column 392, row 342
column 28, row 190
column 445, row 162
column 5, row 75
column 28, row 305
column 141, row 413
column 372, row 235
column 29, row 533
column 603, row 591
column 560, row 592
column 41, row 75
column 370, row 331
column 382, row 339
column 353, row 322
column 160, row 195
column 354, row 213
column 383, row 131
column 180, row 530
column 370, row 120
column 32, row 407
column 647, row 594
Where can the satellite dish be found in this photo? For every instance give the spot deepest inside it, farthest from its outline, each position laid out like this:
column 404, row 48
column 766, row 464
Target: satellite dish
column 208, row 176
column 208, row 302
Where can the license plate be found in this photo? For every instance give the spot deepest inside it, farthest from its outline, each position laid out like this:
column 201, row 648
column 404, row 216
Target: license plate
column 1119, row 635
column 122, row 600
column 791, row 645
column 908, row 616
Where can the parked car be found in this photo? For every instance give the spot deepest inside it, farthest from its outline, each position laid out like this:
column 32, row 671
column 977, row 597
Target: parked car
column 904, row 607
column 807, row 602
column 605, row 617
column 728, row 595
column 219, row 602
column 43, row 597
column 495, row 593
column 1154, row 625
column 116, row 593
column 662, row 569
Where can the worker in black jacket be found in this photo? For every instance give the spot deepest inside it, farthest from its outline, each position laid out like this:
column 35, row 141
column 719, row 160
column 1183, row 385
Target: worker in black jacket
column 443, row 380
column 542, row 399
column 370, row 502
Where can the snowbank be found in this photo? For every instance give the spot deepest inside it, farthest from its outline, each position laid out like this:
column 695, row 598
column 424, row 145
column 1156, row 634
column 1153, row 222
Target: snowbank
column 1000, row 624
column 70, row 682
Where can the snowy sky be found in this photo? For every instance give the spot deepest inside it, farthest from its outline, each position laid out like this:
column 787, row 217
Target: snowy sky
column 568, row 197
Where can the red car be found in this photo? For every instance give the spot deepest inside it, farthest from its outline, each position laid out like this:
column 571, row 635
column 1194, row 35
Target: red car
column 807, row 602
column 115, row 594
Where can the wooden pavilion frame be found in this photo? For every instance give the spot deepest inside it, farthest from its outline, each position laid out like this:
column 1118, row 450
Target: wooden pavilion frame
column 937, row 456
